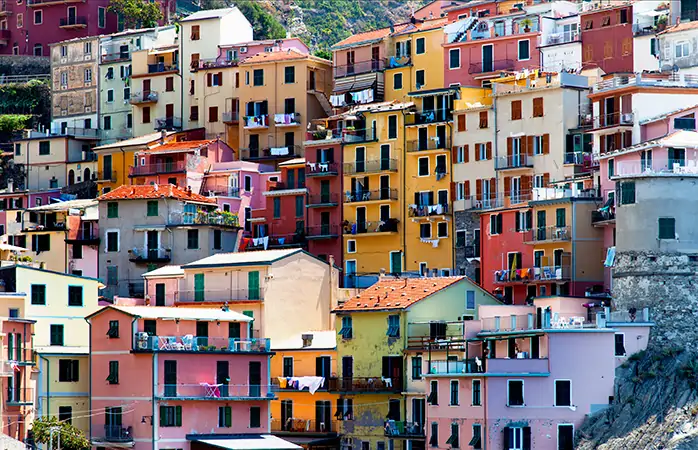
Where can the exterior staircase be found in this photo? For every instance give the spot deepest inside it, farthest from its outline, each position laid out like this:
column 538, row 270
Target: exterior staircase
column 322, row 99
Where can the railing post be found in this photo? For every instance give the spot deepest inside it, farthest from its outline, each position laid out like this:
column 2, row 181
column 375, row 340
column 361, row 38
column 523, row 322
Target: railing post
column 496, row 323
column 530, row 321
column 513, row 322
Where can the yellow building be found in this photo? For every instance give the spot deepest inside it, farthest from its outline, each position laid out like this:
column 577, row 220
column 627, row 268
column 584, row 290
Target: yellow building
column 374, row 199
column 311, row 420
column 213, row 99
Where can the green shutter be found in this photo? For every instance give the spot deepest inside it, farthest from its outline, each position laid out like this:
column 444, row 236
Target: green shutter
column 162, row 415
column 10, row 347
column 18, row 338
column 228, row 417
column 199, row 287
column 253, row 284
column 153, row 208
column 178, row 416
column 560, row 217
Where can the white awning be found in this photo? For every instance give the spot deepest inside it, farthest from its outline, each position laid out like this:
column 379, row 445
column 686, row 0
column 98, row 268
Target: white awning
column 261, row 442
column 12, row 248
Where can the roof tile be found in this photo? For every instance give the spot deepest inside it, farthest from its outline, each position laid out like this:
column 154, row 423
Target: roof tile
column 181, row 145
column 141, row 192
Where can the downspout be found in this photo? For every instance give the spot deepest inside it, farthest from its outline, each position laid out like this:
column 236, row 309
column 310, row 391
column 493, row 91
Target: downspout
column 123, row 164
column 48, row 389
column 152, row 400
column 89, row 364
column 403, row 199
column 452, row 191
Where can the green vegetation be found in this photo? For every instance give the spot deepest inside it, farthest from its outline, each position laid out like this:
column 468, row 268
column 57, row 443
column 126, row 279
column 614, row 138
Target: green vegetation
column 10, row 123
column 136, row 13
column 263, row 22
column 33, row 97
column 71, row 437
column 24, row 65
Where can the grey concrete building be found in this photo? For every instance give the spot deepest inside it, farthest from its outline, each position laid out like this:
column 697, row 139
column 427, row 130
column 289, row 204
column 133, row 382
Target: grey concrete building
column 145, row 227
column 467, row 244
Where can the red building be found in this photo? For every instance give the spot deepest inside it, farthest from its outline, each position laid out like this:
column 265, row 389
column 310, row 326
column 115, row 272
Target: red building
column 28, row 27
column 607, row 38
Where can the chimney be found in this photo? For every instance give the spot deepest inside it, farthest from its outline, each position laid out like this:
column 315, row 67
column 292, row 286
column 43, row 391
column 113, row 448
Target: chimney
column 381, row 274
column 189, row 190
column 10, row 185
column 307, row 340
column 163, row 135
column 392, row 28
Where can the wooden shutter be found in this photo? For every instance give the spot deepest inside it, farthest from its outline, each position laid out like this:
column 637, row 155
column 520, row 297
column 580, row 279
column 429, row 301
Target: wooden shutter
column 489, row 150
column 546, row 179
column 526, row 184
column 461, row 122
column 602, row 144
column 510, row 144
column 478, row 189
column 546, row 144
column 466, row 153
column 477, row 152
column 466, row 188
column 220, row 78
column 528, row 145
column 493, row 188
column 209, row 79
column 507, row 186
column 453, row 190
column 616, row 140
column 454, row 154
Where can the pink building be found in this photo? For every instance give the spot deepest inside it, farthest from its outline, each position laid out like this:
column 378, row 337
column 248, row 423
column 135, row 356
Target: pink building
column 530, row 374
column 230, row 55
column 184, row 376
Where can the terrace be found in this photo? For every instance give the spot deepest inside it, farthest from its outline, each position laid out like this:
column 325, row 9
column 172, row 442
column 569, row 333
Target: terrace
column 367, row 196
column 526, row 275
column 376, row 384
column 230, row 295
column 371, row 166
column 646, row 80
column 214, row 392
column 143, row 342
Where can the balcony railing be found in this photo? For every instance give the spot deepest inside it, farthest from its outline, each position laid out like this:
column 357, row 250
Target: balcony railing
column 231, row 117
column 323, row 134
column 77, row 21
column 115, row 57
column 482, row 202
column 491, row 66
column 294, row 425
column 219, row 295
column 674, row 165
column 368, row 384
column 438, row 209
column 647, row 80
column 214, row 63
column 84, row 237
column 260, row 121
column 287, row 152
column 151, row 169
column 104, row 176
column 372, row 65
column 211, row 391
column 644, row 29
column 189, row 343
column 513, row 162
column 20, row 396
column 144, row 254
column 602, row 216
column 356, row 136
column 552, row 234
column 563, row 37
column 322, row 231
column 115, row 434
column 427, row 116
column 383, row 226
column 371, row 166
column 162, row 67
column 277, row 240
column 321, row 169
column 327, row 199
column 90, row 133
column 168, row 123
column 366, row 196
column 395, row 429
column 287, row 120
column 532, row 274
column 222, row 190
column 203, row 217
column 30, row 227
column 614, row 119
column 578, row 158
column 429, row 144
column 144, row 97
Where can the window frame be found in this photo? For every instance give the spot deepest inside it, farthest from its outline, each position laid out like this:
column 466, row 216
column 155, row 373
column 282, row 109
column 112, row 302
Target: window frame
column 555, row 393
column 659, row 228
column 479, row 392
column 518, row 49
column 523, row 397
column 451, row 396
column 450, row 59
column 72, row 290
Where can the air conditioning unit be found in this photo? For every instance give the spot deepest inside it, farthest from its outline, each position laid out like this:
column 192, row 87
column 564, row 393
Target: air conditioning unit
column 142, row 340
column 626, row 118
column 243, row 49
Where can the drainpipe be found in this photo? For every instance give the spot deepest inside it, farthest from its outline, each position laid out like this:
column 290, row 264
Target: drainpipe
column 152, row 400
column 48, row 388
column 89, row 363
column 404, row 185
column 450, row 192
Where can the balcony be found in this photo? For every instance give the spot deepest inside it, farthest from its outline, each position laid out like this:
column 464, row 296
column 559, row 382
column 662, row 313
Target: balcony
column 4, row 12
column 564, row 37
column 326, row 200
column 73, row 22
column 375, row 384
column 670, row 80
column 149, row 255
column 397, row 61
column 532, row 275
column 84, row 237
column 321, row 169
column 645, row 29
column 219, row 295
column 427, row 116
column 578, row 158
column 257, row 154
column 329, row 384
column 371, row 228
column 287, row 120
column 161, row 67
column 145, row 97
column 603, row 217
column 222, row 190
column 104, row 176
column 401, row 429
column 189, row 343
column 547, row 234
column 483, row 202
column 231, row 117
column 491, row 66
column 113, row 435
column 115, row 57
column 323, row 134
column 372, row 65
column 30, row 227
column 288, row 240
column 667, row 167
column 152, row 169
column 204, row 217
column 357, row 136
column 614, row 120
column 293, row 426
column 214, row 392
column 513, row 162
column 168, row 123
column 83, row 133
column 20, row 396
column 439, row 209
column 325, row 231
column 430, row 144
column 213, row 63
column 367, row 196
column 256, row 122
column 371, row 166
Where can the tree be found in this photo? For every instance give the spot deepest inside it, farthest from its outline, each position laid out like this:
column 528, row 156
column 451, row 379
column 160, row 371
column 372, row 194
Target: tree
column 136, row 13
column 264, row 24
column 71, row 437
column 323, row 53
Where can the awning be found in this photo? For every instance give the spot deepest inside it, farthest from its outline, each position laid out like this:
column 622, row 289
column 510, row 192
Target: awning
column 311, row 441
column 149, row 228
column 12, row 248
column 250, row 442
column 355, row 83
column 428, row 92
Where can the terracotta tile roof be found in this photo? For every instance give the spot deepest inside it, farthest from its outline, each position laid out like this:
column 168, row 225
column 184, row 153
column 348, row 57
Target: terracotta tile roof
column 141, row 192
column 398, row 29
column 683, row 26
column 176, row 146
column 429, row 24
column 396, row 294
column 289, row 54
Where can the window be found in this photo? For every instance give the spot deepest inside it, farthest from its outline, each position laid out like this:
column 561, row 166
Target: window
column 152, row 208
column 110, row 96
column 101, row 17
column 56, row 334
column 416, row 367
column 151, row 326
column 515, row 393
column 469, row 299
column 454, row 393
column 113, row 331
column 277, row 208
column 255, row 417
column 44, row 148
column 65, row 414
column 258, row 77
column 112, row 241
column 453, row 440
column 423, row 166
column 496, row 224
column 397, row 81
column 193, row 112
column 213, row 114
column 170, row 416
column 38, row 294
column 195, row 32
column 483, row 120
column 524, row 50
column 620, row 344
column 88, row 76
column 112, row 210
column 14, row 313
column 681, row 49
column 538, row 107
column 425, row 230
column 476, row 441
column 454, row 58
column 299, row 206
column 420, row 78
column 217, row 239
column 560, row 218
column 38, row 17
column 169, row 84
column 476, row 393
column 288, row 366
column 192, row 239
column 346, row 331
column 107, row 122
column 433, row 398
column 627, row 193
column 113, row 377
column 434, row 439
column 225, row 417
column 392, row 127
column 129, row 117
column 563, row 393
column 516, row 110
column 74, row 295
column 20, row 20
column 421, row 47
column 68, row 370
column 289, row 75
column 393, row 326
column 667, row 228
column 351, row 246
column 442, row 229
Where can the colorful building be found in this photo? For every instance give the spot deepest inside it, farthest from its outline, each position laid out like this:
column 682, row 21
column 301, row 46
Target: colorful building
column 379, row 401
column 607, row 38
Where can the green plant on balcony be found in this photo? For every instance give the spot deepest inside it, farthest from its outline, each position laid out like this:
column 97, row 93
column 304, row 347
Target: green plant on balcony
column 662, row 22
column 526, row 23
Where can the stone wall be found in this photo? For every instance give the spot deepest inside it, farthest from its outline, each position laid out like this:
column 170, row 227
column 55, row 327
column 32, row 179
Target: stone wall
column 466, row 221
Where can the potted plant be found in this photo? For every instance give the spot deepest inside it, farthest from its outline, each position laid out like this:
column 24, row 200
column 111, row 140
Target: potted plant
column 526, row 24
column 662, row 22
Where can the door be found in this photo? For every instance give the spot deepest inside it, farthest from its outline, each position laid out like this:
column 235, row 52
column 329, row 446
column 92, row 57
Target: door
column 202, row 333
column 325, row 192
column 169, row 164
column 112, row 422
column 286, row 414
column 392, row 368
column 418, row 408
column 255, row 379
column 350, row 280
column 322, row 368
column 72, row 12
column 311, row 80
column 360, row 160
column 152, row 238
column 107, row 167
column 169, row 113
column 385, row 157
column 325, row 223
column 199, row 287
column 385, row 187
column 610, row 111
column 441, row 135
column 396, row 262
column 375, row 58
column 350, row 62
column 347, row 372
column 323, row 416
column 222, row 377
column 253, row 284
column 423, row 139
column 170, row 378
column 540, row 224
column 160, row 294
column 487, row 58
column 361, row 220
column 146, row 89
